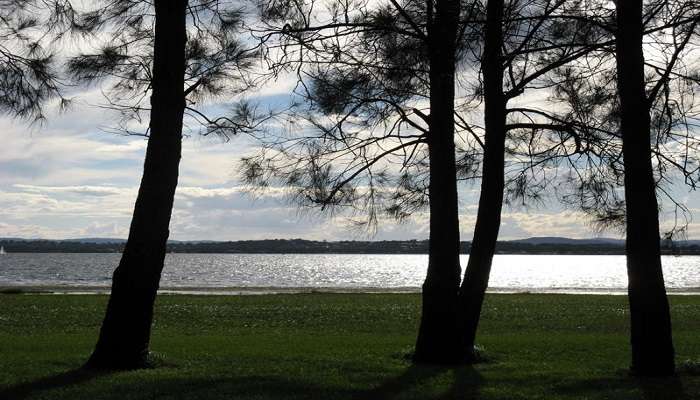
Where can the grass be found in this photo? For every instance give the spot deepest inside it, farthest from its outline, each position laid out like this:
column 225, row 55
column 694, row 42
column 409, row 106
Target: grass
column 338, row 346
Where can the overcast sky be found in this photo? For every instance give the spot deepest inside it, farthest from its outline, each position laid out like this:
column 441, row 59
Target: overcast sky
column 70, row 179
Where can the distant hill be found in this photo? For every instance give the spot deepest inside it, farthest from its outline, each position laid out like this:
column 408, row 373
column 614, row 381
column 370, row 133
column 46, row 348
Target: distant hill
column 93, row 240
column 113, row 240
column 561, row 240
column 537, row 245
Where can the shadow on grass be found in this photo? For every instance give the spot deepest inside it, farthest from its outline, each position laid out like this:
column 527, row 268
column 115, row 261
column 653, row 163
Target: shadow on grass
column 662, row 388
column 465, row 383
column 670, row 388
column 61, row 380
column 415, row 382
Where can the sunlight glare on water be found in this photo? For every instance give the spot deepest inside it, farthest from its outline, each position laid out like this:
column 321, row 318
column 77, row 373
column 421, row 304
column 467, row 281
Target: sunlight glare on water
column 341, row 271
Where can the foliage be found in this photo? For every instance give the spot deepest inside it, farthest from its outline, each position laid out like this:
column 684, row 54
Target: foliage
column 28, row 74
column 217, row 67
column 356, row 138
column 585, row 92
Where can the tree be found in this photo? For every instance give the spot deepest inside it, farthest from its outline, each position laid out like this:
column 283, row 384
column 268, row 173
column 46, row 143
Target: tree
column 359, row 84
column 438, row 336
column 475, row 282
column 524, row 42
column 126, row 329
column 153, row 49
column 368, row 74
column 619, row 133
column 652, row 344
column 375, row 80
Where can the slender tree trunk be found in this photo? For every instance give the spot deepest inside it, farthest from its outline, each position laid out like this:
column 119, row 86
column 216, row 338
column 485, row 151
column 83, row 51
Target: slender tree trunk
column 488, row 219
column 125, row 334
column 438, row 338
column 652, row 345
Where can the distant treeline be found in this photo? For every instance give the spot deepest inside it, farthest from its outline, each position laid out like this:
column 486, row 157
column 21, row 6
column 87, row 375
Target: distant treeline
column 278, row 246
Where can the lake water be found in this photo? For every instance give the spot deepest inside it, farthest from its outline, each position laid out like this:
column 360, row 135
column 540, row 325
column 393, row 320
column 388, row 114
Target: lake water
column 535, row 273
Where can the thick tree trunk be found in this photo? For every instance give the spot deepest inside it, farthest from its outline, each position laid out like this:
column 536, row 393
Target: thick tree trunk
column 488, row 219
column 652, row 345
column 438, row 339
column 125, row 334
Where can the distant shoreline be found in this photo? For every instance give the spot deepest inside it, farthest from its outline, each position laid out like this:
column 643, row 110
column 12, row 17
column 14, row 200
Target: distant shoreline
column 247, row 291
column 537, row 246
column 531, row 252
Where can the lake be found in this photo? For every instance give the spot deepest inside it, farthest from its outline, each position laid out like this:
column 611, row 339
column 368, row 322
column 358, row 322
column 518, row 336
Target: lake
column 289, row 272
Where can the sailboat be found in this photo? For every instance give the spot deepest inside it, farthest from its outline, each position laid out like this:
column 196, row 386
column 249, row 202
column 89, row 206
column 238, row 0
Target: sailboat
column 2, row 250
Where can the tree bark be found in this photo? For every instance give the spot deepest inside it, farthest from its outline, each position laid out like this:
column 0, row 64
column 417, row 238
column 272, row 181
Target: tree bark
column 125, row 334
column 652, row 344
column 438, row 339
column 488, row 220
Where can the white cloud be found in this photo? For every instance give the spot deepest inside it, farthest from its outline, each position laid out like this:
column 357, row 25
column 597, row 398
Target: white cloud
column 565, row 223
column 70, row 179
column 30, row 231
column 230, row 213
column 129, row 148
column 81, row 190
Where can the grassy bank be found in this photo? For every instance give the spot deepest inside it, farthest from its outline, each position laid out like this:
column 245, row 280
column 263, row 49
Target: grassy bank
column 337, row 346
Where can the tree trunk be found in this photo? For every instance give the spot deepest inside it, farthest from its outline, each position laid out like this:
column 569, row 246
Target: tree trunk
column 438, row 339
column 652, row 345
column 488, row 219
column 125, row 334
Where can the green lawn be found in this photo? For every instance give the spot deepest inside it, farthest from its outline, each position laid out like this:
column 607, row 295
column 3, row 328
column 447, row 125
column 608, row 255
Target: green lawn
column 338, row 346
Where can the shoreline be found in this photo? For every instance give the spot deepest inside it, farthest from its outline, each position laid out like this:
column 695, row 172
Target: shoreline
column 248, row 291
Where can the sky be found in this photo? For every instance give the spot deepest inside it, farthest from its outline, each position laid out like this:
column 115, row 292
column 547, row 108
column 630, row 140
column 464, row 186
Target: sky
column 70, row 178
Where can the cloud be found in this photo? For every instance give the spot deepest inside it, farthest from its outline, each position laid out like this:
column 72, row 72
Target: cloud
column 110, row 229
column 231, row 213
column 80, row 190
column 30, row 231
column 132, row 147
column 69, row 178
column 564, row 223
column 200, row 192
column 223, row 212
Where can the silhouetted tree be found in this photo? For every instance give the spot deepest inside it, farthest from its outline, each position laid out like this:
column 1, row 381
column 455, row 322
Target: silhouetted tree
column 632, row 126
column 126, row 329
column 652, row 344
column 178, row 52
column 436, row 341
column 355, row 80
column 378, row 76
column 369, row 73
column 523, row 43
column 475, row 282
